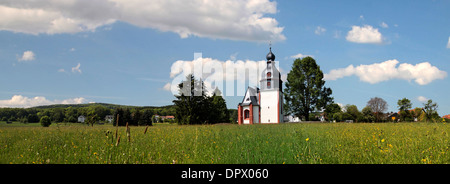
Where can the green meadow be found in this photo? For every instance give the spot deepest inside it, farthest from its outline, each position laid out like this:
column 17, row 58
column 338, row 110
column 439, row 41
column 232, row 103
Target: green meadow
column 299, row 143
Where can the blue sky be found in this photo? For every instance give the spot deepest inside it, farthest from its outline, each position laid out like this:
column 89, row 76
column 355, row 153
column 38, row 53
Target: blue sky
column 124, row 52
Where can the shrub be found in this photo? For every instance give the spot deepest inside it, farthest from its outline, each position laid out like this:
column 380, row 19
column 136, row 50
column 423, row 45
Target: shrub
column 45, row 121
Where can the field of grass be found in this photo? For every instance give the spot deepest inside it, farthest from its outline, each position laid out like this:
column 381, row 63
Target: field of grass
column 305, row 143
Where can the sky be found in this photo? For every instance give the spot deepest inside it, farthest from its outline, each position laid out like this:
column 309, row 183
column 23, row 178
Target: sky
column 133, row 52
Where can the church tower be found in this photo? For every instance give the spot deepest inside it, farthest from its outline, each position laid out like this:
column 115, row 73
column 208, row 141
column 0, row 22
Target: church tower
column 271, row 92
column 265, row 104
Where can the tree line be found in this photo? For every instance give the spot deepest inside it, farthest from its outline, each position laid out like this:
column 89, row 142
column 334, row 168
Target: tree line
column 376, row 111
column 307, row 97
column 70, row 113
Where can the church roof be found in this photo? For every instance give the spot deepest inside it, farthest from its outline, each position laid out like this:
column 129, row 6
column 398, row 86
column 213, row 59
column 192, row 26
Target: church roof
column 251, row 97
column 270, row 56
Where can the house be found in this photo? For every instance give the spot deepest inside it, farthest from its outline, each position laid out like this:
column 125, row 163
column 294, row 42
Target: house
column 168, row 117
column 446, row 116
column 291, row 118
column 393, row 117
column 109, row 118
column 81, row 119
column 163, row 117
column 264, row 104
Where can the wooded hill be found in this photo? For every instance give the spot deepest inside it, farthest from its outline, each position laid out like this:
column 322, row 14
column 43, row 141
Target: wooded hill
column 70, row 112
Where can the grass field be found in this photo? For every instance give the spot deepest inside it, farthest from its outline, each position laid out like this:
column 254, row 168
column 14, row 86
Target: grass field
column 313, row 143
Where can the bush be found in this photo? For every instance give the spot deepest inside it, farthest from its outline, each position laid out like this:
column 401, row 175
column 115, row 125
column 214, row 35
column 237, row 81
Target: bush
column 45, row 121
column 33, row 118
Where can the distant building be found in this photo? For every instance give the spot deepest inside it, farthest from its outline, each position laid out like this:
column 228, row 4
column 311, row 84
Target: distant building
column 163, row 117
column 81, row 119
column 393, row 117
column 291, row 118
column 109, row 118
column 168, row 117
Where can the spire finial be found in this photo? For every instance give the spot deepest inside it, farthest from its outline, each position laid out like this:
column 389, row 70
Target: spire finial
column 270, row 56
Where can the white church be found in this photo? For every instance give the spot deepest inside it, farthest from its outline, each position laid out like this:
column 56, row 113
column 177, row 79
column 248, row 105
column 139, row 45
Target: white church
column 265, row 104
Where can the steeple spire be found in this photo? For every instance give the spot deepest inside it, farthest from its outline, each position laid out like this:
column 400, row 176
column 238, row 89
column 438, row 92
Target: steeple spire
column 270, row 56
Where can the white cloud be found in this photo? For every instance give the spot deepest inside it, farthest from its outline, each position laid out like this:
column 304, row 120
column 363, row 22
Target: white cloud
column 226, row 19
column 27, row 56
column 300, row 55
column 72, row 50
column 384, row 25
column 422, row 73
column 319, row 30
column 76, row 69
column 448, row 44
column 366, row 34
column 22, row 101
column 422, row 99
column 216, row 73
column 62, row 70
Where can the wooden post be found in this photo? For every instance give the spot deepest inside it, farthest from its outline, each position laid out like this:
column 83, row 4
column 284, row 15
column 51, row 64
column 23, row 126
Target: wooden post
column 145, row 131
column 117, row 125
column 128, row 133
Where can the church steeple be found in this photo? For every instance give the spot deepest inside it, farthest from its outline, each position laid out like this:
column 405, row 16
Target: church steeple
column 270, row 76
column 270, row 56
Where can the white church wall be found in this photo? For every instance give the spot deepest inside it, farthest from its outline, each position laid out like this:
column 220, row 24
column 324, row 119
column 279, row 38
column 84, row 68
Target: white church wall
column 269, row 106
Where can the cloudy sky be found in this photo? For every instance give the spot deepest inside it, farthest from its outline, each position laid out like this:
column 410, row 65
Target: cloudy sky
column 131, row 51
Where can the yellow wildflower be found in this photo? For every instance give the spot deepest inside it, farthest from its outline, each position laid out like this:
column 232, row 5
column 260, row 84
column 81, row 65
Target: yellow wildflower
column 307, row 139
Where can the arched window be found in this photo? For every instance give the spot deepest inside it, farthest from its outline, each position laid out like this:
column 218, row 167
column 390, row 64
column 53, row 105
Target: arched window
column 269, row 74
column 246, row 114
column 268, row 83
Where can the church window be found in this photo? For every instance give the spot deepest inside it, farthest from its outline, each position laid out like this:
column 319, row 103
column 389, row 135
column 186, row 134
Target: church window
column 268, row 83
column 246, row 114
column 269, row 74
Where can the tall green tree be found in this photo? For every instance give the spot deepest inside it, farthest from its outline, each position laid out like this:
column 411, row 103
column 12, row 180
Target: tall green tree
column 367, row 114
column 147, row 117
column 219, row 110
column 192, row 103
column 305, row 89
column 332, row 109
column 124, row 116
column 136, row 117
column 353, row 111
column 430, row 110
column 403, row 106
column 58, row 115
